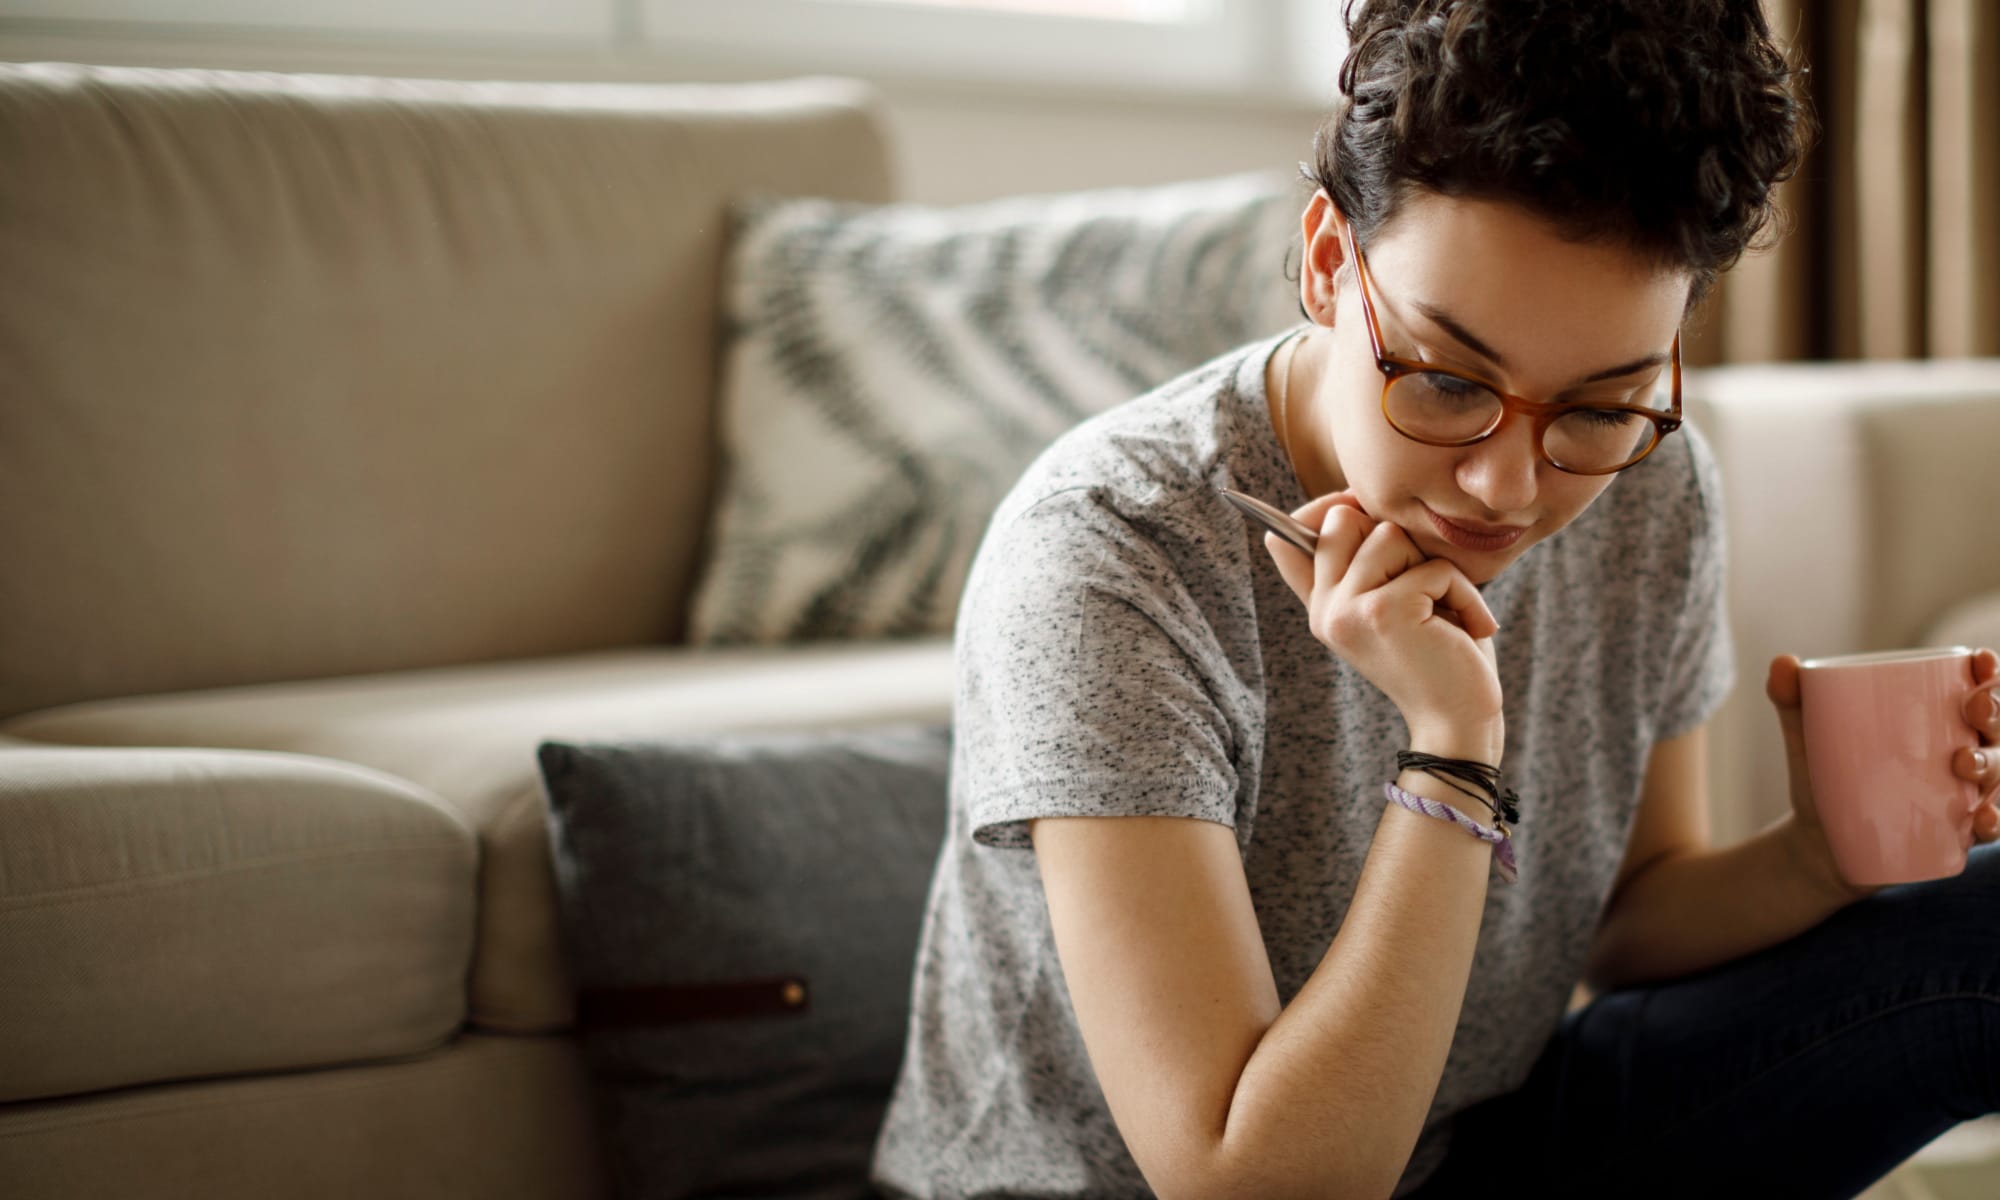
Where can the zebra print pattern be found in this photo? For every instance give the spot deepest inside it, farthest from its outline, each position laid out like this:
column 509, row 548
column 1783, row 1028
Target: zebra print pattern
column 890, row 371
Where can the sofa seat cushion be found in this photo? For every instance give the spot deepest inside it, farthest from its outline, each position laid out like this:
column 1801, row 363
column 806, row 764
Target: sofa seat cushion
column 176, row 913
column 497, row 1118
column 468, row 735
column 1974, row 622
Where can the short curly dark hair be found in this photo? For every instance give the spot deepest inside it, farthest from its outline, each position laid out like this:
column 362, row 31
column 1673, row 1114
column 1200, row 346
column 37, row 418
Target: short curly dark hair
column 1662, row 124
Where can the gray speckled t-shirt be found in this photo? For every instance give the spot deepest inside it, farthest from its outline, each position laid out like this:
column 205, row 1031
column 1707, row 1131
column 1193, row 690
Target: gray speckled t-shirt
column 1126, row 646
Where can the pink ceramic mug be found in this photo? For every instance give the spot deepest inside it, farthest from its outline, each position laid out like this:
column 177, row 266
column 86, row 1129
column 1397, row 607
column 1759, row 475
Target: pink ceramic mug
column 1881, row 731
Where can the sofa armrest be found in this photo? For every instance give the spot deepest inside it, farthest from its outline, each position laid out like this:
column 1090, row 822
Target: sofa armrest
column 1857, row 494
column 170, row 914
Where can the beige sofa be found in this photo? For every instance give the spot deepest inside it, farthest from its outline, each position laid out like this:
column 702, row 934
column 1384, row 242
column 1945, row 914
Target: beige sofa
column 356, row 436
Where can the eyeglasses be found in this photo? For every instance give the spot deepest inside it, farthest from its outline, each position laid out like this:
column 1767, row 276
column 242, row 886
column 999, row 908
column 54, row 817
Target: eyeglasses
column 1428, row 404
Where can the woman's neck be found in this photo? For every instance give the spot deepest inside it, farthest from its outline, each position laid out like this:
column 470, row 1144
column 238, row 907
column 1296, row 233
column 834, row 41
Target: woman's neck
column 1292, row 382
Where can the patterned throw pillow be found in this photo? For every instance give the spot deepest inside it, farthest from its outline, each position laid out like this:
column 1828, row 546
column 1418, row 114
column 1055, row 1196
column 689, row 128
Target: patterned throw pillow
column 891, row 371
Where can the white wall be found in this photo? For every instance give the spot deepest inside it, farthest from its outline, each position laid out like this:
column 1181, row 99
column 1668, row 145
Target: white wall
column 955, row 148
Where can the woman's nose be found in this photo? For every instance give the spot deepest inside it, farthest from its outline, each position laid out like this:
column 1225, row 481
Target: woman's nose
column 1501, row 472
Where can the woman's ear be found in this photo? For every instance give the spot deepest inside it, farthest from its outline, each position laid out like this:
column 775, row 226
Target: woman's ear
column 1324, row 255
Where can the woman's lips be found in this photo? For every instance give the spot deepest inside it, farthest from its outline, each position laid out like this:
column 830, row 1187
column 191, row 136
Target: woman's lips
column 1475, row 536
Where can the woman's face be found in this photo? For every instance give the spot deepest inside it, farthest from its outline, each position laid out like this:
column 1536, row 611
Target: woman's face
column 1486, row 289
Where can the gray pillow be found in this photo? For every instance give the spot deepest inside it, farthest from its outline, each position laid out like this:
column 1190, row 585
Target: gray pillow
column 742, row 916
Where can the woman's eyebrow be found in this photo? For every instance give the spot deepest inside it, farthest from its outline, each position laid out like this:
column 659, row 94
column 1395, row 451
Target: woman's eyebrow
column 1444, row 320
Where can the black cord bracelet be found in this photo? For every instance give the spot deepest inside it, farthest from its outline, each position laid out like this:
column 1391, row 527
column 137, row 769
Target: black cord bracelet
column 1503, row 801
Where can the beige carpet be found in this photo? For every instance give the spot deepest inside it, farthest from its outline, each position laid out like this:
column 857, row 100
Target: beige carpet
column 1964, row 1164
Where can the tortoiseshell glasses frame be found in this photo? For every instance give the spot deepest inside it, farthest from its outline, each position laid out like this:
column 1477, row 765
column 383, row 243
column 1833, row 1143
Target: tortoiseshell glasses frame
column 1542, row 413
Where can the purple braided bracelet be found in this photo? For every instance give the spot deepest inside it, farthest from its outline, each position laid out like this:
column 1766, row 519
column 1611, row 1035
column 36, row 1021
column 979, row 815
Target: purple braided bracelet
column 1502, row 838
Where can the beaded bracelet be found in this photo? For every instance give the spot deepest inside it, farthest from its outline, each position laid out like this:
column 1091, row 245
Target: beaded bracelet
column 1501, row 836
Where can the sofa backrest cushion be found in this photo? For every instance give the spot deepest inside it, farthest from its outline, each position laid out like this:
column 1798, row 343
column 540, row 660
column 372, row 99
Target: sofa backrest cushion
column 742, row 917
column 305, row 376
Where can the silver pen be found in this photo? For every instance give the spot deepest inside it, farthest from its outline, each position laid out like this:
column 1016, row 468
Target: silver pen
column 1297, row 532
column 1276, row 520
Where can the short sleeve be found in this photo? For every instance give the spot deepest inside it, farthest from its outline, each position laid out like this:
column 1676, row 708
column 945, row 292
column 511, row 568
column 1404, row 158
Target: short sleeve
column 1089, row 679
column 1702, row 669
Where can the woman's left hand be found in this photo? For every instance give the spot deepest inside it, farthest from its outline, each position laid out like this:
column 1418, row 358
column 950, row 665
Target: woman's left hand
column 1980, row 766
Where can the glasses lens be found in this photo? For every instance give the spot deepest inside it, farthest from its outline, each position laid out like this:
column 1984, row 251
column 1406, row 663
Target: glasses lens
column 1442, row 409
column 1604, row 439
column 1597, row 439
column 1446, row 410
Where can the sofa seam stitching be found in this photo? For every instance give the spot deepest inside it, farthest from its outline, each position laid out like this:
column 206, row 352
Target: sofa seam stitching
column 181, row 878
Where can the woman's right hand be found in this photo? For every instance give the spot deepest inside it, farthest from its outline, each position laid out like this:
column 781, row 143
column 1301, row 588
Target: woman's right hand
column 1415, row 627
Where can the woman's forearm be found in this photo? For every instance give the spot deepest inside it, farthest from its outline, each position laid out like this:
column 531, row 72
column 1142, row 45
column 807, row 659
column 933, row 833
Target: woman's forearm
column 1695, row 911
column 1334, row 1097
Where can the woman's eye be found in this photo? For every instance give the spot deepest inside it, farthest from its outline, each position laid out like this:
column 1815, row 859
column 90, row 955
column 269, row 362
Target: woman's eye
column 1610, row 418
column 1449, row 387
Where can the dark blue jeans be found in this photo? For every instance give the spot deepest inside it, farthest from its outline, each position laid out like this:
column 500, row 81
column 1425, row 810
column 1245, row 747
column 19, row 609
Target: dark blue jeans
column 1810, row 1069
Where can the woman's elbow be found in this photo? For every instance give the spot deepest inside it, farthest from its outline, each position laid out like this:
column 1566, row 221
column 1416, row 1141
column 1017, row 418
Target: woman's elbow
column 1219, row 1171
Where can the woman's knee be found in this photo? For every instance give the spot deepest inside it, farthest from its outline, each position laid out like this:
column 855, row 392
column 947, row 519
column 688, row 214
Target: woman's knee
column 1977, row 884
column 1949, row 922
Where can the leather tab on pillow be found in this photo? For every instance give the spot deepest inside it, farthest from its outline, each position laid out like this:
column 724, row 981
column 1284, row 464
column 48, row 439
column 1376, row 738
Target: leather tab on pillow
column 674, row 1004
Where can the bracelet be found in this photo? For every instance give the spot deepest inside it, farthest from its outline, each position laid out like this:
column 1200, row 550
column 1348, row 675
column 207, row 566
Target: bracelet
column 1504, row 804
column 1501, row 836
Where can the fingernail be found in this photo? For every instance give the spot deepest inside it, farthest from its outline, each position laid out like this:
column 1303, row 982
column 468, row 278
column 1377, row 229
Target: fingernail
column 1983, row 706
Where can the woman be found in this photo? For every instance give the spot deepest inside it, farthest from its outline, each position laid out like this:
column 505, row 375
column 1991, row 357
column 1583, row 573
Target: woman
column 1184, row 941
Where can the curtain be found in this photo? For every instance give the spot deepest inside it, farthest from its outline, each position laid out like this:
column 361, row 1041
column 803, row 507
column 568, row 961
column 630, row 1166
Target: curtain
column 1893, row 249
